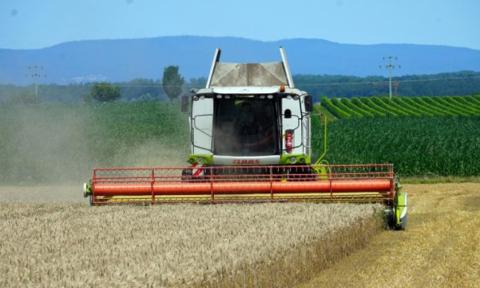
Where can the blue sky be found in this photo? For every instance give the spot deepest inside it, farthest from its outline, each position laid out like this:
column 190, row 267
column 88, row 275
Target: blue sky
column 40, row 23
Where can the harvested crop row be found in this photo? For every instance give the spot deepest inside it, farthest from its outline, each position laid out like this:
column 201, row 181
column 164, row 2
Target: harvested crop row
column 440, row 248
column 259, row 245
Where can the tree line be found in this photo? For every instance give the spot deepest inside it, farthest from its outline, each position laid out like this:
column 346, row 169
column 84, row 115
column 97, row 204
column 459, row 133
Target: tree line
column 172, row 85
column 443, row 84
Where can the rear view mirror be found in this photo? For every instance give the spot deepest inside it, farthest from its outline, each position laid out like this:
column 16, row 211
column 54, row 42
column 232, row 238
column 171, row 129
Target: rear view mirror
column 288, row 114
column 185, row 102
column 308, row 103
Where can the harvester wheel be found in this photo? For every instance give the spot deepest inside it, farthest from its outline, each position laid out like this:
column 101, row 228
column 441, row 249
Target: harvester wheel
column 389, row 219
column 187, row 174
column 403, row 224
column 87, row 192
column 400, row 211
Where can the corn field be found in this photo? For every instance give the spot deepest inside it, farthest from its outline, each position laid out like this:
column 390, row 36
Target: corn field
column 417, row 146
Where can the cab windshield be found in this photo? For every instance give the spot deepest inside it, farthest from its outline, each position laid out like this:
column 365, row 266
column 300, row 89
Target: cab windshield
column 246, row 126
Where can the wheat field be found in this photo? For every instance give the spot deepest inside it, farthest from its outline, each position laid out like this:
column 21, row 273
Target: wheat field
column 257, row 245
column 440, row 248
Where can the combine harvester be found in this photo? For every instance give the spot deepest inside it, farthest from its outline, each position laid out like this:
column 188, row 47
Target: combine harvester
column 251, row 142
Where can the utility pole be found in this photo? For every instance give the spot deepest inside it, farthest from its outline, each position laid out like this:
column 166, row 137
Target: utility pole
column 36, row 72
column 389, row 64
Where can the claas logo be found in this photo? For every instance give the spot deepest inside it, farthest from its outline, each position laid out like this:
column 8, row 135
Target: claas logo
column 246, row 162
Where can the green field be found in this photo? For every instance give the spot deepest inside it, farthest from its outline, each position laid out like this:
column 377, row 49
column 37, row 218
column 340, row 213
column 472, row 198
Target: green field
column 63, row 142
column 372, row 107
column 417, row 146
column 421, row 136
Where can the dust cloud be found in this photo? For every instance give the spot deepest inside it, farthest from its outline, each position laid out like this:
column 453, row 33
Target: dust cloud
column 43, row 145
column 151, row 153
column 51, row 148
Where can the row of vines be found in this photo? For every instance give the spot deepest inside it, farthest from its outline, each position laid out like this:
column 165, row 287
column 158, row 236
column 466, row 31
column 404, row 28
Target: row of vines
column 369, row 107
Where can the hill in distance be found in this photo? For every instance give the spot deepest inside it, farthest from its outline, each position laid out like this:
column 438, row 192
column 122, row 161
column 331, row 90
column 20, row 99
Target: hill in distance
column 123, row 60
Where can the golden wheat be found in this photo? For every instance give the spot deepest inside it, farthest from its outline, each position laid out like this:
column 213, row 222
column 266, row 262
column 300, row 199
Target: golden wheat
column 440, row 248
column 275, row 245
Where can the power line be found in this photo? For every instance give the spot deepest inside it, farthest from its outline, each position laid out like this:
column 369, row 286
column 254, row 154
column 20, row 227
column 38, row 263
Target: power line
column 386, row 81
column 390, row 66
column 36, row 72
column 325, row 84
column 126, row 85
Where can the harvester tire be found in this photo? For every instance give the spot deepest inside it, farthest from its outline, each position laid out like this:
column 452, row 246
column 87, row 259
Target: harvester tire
column 187, row 174
column 401, row 208
column 389, row 219
column 402, row 225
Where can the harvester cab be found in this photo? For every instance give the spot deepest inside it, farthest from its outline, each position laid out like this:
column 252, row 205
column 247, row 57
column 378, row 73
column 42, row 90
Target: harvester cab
column 250, row 131
column 250, row 114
